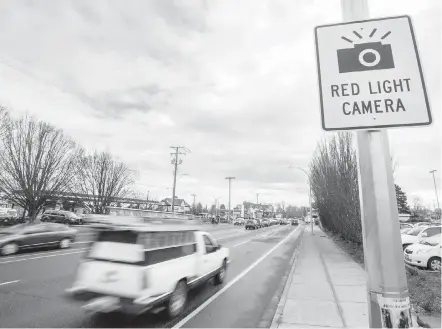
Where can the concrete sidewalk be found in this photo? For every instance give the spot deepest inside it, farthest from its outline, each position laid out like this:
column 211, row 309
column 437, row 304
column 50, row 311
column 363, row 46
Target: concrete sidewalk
column 325, row 288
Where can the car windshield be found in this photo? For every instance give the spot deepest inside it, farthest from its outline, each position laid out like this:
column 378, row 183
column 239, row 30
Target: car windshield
column 416, row 230
column 433, row 241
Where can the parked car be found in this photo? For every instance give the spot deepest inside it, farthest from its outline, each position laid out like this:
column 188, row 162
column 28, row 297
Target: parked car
column 252, row 224
column 418, row 233
column 61, row 217
column 422, row 224
column 265, row 223
column 405, row 230
column 9, row 217
column 239, row 221
column 116, row 276
column 405, row 225
column 283, row 222
column 426, row 253
column 29, row 236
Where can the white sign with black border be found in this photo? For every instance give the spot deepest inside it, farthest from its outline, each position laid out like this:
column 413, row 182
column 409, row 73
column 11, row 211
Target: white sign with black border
column 370, row 75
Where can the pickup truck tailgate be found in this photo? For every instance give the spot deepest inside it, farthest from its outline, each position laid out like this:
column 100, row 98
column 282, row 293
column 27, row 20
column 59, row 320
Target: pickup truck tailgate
column 114, row 269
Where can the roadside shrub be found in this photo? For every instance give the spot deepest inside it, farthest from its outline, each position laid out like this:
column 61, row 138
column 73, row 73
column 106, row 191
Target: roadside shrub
column 334, row 181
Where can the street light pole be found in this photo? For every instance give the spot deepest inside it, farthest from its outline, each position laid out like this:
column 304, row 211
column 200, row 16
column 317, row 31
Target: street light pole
column 194, row 205
column 435, row 190
column 230, row 181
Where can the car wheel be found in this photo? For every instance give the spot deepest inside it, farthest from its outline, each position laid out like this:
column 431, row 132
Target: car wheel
column 177, row 300
column 9, row 249
column 65, row 243
column 434, row 264
column 220, row 276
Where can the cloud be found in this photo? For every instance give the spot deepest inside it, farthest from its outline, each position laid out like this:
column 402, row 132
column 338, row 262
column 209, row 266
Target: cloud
column 234, row 81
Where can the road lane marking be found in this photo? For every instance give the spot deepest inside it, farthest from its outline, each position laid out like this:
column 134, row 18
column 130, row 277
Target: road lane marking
column 8, row 282
column 231, row 283
column 256, row 237
column 77, row 251
column 230, row 236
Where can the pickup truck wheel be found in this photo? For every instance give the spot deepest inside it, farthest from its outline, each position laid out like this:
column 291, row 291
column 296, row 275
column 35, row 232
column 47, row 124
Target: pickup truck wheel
column 220, row 276
column 177, row 300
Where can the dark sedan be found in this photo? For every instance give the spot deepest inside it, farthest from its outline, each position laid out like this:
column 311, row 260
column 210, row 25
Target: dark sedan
column 30, row 236
column 252, row 224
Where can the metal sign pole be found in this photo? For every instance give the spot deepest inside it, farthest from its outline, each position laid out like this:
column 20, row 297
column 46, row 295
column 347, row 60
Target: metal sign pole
column 386, row 279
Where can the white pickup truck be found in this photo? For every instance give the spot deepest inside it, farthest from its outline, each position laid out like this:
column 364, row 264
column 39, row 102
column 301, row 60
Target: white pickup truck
column 141, row 268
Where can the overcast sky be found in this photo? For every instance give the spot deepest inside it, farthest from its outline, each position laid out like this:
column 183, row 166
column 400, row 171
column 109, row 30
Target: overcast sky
column 232, row 80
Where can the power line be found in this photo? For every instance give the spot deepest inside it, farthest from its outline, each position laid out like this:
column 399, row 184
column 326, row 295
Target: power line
column 33, row 76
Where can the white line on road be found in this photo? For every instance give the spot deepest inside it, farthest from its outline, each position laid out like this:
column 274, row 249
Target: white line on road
column 256, row 237
column 231, row 283
column 5, row 283
column 77, row 251
column 228, row 237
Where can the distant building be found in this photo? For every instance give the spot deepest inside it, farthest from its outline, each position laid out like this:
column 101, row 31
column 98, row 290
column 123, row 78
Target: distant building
column 180, row 205
column 237, row 211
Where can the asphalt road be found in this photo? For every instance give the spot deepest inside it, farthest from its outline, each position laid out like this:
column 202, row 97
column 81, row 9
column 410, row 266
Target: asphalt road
column 32, row 284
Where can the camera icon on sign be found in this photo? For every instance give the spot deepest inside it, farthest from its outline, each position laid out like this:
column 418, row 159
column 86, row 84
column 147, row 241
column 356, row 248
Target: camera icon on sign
column 368, row 56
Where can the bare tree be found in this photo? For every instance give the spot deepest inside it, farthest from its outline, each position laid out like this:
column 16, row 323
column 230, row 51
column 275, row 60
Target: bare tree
column 37, row 161
column 104, row 179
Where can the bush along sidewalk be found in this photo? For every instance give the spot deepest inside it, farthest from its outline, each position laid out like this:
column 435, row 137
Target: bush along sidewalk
column 424, row 286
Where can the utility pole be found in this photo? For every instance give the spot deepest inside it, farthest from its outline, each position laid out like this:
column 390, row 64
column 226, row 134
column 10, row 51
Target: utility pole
column 230, row 181
column 435, row 190
column 194, row 205
column 383, row 254
column 176, row 161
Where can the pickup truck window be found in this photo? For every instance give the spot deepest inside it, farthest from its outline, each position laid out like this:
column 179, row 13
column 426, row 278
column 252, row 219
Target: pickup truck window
column 117, row 236
column 153, row 240
column 152, row 257
column 210, row 246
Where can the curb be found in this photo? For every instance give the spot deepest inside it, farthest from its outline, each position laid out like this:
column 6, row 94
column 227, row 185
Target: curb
column 282, row 300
